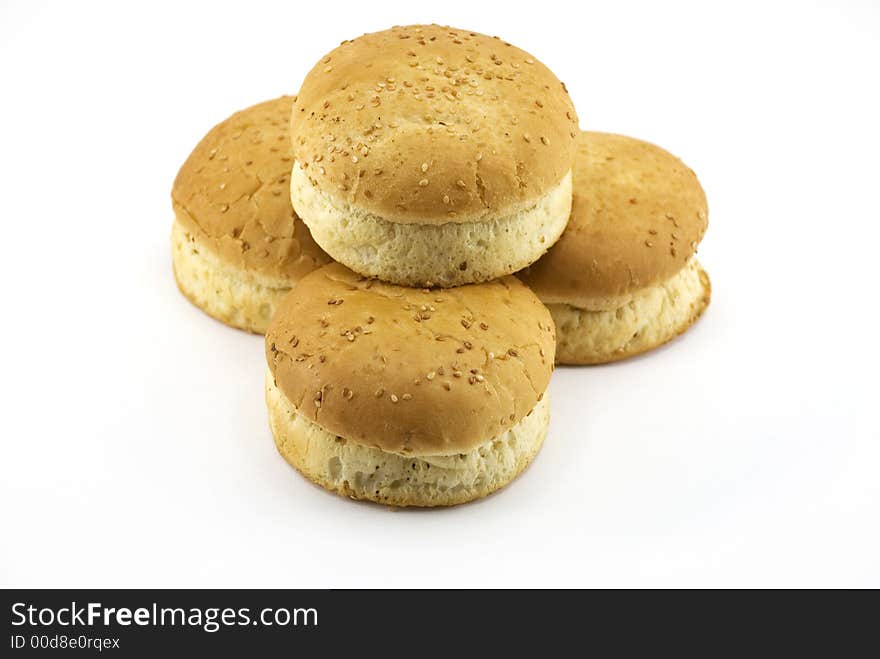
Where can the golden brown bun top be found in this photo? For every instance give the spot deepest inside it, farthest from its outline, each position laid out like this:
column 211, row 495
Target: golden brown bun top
column 411, row 371
column 233, row 191
column 638, row 213
column 430, row 124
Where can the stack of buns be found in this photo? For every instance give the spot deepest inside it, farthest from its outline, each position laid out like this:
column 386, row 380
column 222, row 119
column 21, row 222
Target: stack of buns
column 371, row 227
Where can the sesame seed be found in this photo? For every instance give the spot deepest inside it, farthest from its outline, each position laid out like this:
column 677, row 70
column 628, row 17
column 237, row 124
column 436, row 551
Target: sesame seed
column 649, row 243
column 407, row 396
column 544, row 140
column 468, row 345
column 512, row 353
column 431, row 375
column 456, row 374
column 394, row 398
column 224, row 208
column 423, row 182
column 446, row 386
column 446, row 199
column 460, row 184
column 424, row 167
column 480, row 378
column 491, row 355
column 380, row 393
column 347, row 393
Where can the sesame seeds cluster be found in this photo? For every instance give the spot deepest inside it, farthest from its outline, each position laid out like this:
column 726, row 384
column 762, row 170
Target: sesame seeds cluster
column 430, row 124
column 233, row 192
column 411, row 371
column 638, row 214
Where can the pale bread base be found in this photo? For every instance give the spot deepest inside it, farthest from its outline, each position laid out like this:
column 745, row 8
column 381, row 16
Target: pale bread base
column 650, row 319
column 424, row 255
column 230, row 294
column 361, row 472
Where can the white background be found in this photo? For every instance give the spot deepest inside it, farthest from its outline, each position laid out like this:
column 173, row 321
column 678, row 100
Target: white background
column 135, row 448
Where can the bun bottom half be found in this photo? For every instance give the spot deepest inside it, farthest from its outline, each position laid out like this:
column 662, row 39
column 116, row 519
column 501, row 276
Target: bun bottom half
column 427, row 255
column 230, row 294
column 650, row 319
column 361, row 472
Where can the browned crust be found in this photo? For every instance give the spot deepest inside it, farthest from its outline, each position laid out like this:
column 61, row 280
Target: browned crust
column 233, row 193
column 430, row 124
column 638, row 214
column 409, row 371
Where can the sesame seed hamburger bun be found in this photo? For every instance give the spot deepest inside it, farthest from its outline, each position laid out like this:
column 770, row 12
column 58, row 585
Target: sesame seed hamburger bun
column 408, row 397
column 623, row 279
column 237, row 246
column 427, row 155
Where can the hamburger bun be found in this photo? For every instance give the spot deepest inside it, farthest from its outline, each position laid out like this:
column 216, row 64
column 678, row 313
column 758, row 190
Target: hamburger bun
column 431, row 156
column 623, row 278
column 408, row 397
column 237, row 246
